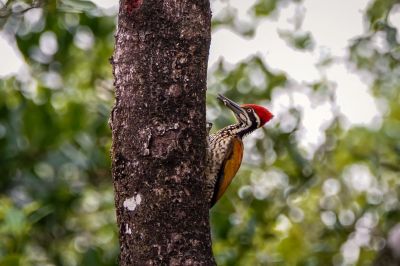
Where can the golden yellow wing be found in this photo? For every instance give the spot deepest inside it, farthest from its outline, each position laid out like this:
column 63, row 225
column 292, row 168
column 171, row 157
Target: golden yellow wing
column 229, row 168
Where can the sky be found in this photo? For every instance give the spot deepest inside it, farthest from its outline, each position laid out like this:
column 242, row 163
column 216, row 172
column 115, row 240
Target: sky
column 331, row 36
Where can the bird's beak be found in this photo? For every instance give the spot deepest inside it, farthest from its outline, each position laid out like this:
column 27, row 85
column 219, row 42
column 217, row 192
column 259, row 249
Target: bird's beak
column 236, row 109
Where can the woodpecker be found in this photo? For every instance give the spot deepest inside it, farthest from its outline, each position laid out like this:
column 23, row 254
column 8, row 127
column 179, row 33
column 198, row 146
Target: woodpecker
column 225, row 147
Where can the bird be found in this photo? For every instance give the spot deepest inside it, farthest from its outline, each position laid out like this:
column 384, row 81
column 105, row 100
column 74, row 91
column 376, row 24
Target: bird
column 225, row 147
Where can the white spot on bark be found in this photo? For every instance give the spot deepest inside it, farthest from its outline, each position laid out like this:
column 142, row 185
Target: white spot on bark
column 132, row 203
column 138, row 199
column 127, row 229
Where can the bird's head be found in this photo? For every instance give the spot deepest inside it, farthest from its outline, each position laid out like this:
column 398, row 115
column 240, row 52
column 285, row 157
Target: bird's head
column 249, row 114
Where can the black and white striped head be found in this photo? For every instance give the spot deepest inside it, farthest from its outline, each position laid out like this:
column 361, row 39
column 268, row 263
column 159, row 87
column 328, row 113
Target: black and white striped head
column 250, row 116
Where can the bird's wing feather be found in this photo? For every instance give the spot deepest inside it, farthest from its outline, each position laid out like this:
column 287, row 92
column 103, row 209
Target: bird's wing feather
column 229, row 168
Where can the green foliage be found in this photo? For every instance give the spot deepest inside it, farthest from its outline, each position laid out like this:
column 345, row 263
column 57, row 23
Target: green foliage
column 299, row 40
column 58, row 204
column 265, row 7
column 284, row 208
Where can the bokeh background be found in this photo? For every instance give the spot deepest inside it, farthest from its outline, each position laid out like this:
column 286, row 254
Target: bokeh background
column 319, row 185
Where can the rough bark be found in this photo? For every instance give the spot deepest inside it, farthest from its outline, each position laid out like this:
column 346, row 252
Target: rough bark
column 159, row 133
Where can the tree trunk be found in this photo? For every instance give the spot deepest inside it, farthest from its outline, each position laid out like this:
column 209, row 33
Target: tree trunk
column 159, row 133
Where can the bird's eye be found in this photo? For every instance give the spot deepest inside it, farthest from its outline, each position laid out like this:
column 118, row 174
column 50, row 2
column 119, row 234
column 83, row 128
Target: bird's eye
column 249, row 110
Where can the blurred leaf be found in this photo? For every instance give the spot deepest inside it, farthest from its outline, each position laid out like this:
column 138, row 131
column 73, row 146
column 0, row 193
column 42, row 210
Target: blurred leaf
column 265, row 7
column 298, row 40
column 76, row 5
